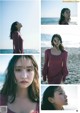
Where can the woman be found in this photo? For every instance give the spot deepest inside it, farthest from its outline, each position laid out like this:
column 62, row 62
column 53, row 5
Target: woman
column 55, row 67
column 16, row 37
column 54, row 98
column 20, row 91
column 65, row 16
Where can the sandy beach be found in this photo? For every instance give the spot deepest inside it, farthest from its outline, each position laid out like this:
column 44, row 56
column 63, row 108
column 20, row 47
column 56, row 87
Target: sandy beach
column 73, row 64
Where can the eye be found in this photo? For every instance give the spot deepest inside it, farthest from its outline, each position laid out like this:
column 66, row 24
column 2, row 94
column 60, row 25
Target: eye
column 29, row 70
column 61, row 93
column 54, row 40
column 18, row 70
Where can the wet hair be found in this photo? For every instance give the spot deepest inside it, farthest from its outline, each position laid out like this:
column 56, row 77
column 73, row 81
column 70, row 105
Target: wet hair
column 62, row 18
column 10, row 87
column 13, row 28
column 49, row 92
column 58, row 36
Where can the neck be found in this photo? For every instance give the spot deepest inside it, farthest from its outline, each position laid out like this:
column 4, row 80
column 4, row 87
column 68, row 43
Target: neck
column 59, row 107
column 22, row 93
column 56, row 48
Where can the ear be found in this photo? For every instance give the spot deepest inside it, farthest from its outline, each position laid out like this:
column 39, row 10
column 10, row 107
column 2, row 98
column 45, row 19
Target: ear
column 50, row 99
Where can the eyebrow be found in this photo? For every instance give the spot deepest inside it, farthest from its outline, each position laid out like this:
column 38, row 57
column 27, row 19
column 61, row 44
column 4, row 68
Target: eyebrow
column 60, row 90
column 56, row 39
column 22, row 66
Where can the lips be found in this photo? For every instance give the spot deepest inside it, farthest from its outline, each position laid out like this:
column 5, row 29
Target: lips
column 66, row 100
column 23, row 82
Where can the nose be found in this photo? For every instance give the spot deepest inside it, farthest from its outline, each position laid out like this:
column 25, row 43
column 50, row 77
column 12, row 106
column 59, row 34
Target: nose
column 56, row 41
column 20, row 24
column 24, row 74
column 65, row 96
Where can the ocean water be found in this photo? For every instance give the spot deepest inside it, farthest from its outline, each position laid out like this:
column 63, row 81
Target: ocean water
column 46, row 21
column 46, row 41
column 9, row 51
column 2, row 77
column 54, row 21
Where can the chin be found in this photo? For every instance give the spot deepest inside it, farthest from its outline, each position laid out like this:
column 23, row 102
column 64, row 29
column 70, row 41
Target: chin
column 66, row 103
column 57, row 46
column 23, row 86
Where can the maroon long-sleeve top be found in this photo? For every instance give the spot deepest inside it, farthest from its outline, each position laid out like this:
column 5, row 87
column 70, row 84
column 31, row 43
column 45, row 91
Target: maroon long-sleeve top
column 3, row 102
column 17, row 42
column 55, row 68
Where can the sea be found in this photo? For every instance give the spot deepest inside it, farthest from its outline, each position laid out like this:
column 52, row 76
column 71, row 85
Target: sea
column 54, row 21
column 28, row 51
column 50, row 21
column 2, row 78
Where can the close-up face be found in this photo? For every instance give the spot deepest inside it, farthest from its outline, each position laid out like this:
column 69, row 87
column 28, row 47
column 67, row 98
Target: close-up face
column 56, row 42
column 19, row 25
column 24, row 72
column 60, row 97
column 66, row 14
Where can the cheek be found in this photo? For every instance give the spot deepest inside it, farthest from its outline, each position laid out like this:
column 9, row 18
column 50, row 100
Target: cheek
column 17, row 76
column 60, row 99
column 31, row 76
column 65, row 15
column 54, row 43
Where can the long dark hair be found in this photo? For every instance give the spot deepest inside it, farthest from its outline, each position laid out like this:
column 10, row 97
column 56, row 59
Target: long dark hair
column 49, row 92
column 10, row 86
column 60, row 46
column 62, row 18
column 13, row 28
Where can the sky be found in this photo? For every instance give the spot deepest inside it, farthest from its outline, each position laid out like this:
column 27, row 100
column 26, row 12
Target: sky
column 71, row 93
column 70, row 34
column 52, row 8
column 27, row 13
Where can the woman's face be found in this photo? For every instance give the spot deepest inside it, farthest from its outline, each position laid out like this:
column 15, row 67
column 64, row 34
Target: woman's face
column 56, row 42
column 60, row 97
column 24, row 72
column 66, row 14
column 19, row 25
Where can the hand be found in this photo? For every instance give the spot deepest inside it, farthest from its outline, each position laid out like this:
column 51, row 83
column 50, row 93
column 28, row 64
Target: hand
column 19, row 51
column 44, row 78
column 62, row 82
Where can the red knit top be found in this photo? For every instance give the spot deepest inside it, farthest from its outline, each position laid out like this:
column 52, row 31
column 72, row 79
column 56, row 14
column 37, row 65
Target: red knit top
column 17, row 42
column 55, row 68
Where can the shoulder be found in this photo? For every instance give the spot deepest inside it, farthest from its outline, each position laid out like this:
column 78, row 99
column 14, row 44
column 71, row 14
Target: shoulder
column 64, row 54
column 47, row 51
column 37, row 107
column 16, row 33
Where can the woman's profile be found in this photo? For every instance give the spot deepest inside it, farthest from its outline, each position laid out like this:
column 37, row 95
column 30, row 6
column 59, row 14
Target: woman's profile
column 64, row 16
column 20, row 91
column 16, row 37
column 55, row 64
column 54, row 98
